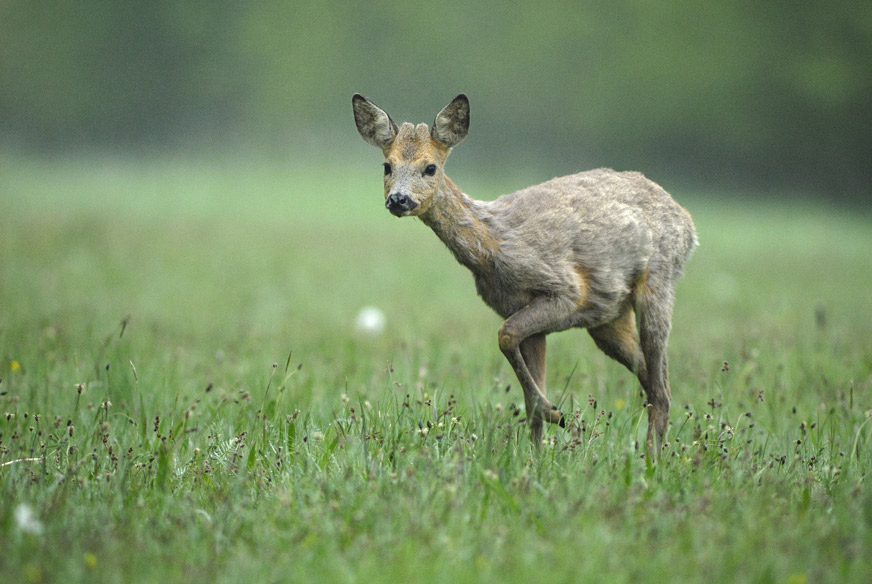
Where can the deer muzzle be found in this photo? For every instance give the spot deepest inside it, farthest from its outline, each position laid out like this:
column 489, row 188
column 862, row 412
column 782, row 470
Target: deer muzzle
column 399, row 204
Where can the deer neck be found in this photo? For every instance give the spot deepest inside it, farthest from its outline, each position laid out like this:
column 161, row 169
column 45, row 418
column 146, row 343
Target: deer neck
column 464, row 225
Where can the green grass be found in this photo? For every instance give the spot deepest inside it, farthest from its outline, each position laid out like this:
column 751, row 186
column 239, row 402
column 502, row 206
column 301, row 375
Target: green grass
column 185, row 396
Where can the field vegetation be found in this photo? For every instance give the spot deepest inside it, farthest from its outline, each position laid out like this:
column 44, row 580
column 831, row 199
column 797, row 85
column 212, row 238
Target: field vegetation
column 185, row 395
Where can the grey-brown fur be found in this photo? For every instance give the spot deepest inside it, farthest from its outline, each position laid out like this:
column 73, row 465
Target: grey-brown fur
column 599, row 250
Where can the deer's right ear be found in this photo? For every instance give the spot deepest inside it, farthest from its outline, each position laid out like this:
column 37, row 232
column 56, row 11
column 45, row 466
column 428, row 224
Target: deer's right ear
column 373, row 123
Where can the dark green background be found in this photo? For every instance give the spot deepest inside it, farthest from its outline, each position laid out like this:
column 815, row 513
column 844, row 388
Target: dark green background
column 770, row 96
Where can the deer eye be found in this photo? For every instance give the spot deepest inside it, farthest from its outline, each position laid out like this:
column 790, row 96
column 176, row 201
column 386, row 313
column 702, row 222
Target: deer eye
column 430, row 170
column 388, row 169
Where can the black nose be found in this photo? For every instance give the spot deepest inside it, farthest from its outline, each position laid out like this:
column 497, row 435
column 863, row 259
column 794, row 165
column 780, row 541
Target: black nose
column 399, row 204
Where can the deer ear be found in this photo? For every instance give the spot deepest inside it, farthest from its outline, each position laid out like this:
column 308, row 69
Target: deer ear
column 373, row 123
column 452, row 123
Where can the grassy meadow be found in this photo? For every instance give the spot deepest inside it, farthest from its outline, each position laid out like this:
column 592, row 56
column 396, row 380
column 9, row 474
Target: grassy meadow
column 185, row 395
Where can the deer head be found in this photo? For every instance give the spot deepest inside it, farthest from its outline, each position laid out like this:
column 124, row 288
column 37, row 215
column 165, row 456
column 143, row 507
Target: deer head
column 414, row 155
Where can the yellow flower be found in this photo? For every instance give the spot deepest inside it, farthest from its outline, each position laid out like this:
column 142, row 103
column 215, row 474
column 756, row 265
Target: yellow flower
column 620, row 404
column 15, row 365
column 90, row 560
column 32, row 573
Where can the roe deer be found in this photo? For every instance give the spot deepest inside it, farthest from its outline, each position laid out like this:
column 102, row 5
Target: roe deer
column 599, row 250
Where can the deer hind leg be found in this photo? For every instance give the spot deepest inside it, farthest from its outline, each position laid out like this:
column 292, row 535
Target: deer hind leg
column 655, row 321
column 522, row 341
column 619, row 339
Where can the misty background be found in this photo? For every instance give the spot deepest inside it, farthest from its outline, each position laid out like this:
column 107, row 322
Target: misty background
column 755, row 96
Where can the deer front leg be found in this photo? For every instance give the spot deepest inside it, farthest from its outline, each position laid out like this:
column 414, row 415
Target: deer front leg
column 522, row 341
column 533, row 353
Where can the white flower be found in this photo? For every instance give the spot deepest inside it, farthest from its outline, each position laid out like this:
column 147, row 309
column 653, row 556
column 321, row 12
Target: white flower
column 370, row 321
column 26, row 519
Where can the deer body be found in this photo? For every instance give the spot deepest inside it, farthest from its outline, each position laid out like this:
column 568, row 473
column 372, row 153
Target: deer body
column 599, row 250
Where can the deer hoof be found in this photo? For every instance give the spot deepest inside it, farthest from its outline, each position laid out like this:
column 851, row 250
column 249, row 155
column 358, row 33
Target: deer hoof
column 553, row 415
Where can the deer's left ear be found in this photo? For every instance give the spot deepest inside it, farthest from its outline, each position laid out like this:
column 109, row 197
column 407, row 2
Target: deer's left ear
column 452, row 123
column 373, row 123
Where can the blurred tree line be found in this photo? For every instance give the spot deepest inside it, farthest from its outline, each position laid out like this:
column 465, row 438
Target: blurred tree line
column 741, row 94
